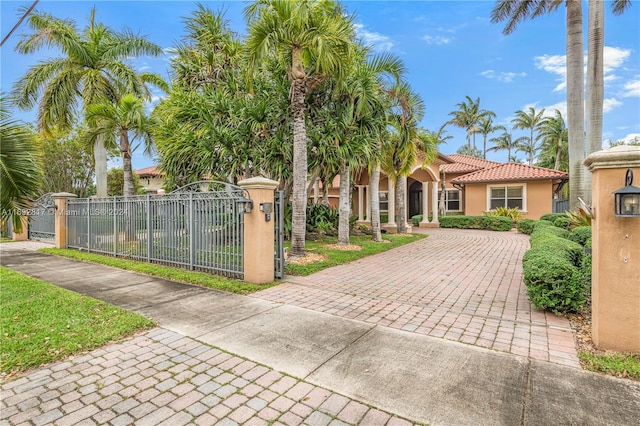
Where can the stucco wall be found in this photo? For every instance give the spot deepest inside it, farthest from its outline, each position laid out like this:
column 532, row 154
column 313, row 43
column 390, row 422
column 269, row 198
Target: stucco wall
column 152, row 184
column 539, row 198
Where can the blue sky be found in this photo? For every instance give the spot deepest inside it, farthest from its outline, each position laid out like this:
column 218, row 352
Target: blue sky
column 450, row 48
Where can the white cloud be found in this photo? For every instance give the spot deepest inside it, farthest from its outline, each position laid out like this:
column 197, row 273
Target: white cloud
column 438, row 40
column 614, row 58
column 609, row 104
column 550, row 110
column 631, row 137
column 378, row 41
column 632, row 88
column 505, row 77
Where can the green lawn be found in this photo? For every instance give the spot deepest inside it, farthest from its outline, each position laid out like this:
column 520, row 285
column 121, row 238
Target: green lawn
column 41, row 323
column 620, row 365
column 338, row 257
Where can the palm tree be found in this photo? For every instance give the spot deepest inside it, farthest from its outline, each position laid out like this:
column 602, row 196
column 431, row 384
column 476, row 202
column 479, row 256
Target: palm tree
column 554, row 135
column 468, row 116
column 313, row 40
column 506, row 142
column 91, row 69
column 122, row 119
column 20, row 173
column 401, row 152
column 529, row 119
column 487, row 127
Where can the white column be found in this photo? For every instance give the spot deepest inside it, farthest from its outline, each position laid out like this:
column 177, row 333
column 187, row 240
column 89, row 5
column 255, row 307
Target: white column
column 425, row 202
column 391, row 196
column 434, row 202
column 406, row 204
column 360, row 203
column 368, row 204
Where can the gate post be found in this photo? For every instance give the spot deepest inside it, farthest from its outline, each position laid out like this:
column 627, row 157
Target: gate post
column 616, row 253
column 60, row 218
column 259, row 230
column 24, row 235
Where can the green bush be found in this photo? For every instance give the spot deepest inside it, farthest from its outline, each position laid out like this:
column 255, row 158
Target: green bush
column 526, row 226
column 581, row 235
column 556, row 271
column 562, row 222
column 514, row 214
column 552, row 216
column 416, row 219
column 476, row 222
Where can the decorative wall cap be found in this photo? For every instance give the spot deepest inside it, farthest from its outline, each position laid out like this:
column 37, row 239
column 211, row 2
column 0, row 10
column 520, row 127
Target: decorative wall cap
column 619, row 157
column 63, row 195
column 258, row 182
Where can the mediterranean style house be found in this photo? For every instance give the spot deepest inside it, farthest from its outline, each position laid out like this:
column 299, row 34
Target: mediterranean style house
column 472, row 186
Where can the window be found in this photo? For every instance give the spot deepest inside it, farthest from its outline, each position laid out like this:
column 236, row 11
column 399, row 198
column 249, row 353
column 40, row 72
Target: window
column 384, row 201
column 509, row 196
column 451, row 200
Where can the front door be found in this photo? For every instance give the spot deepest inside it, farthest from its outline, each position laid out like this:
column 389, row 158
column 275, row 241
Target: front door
column 415, row 199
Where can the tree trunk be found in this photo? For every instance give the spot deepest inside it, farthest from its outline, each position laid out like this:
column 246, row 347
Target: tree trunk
column 374, row 197
column 344, row 211
column 299, row 215
column 558, row 154
column 325, row 193
column 128, row 189
column 100, row 157
column 531, row 148
column 595, row 84
column 401, row 206
column 484, row 150
column 575, row 100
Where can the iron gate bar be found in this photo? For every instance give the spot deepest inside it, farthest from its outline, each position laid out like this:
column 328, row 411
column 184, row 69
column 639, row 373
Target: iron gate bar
column 41, row 225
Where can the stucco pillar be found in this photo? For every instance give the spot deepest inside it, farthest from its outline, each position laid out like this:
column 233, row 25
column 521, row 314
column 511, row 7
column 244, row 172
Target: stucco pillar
column 425, row 204
column 368, row 204
column 391, row 202
column 434, row 202
column 24, row 235
column 60, row 218
column 360, row 203
column 615, row 286
column 259, row 233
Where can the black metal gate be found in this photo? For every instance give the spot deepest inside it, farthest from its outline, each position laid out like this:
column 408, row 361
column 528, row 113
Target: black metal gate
column 279, row 234
column 42, row 219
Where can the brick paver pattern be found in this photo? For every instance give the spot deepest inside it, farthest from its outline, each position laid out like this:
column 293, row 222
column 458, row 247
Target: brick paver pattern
column 461, row 285
column 163, row 378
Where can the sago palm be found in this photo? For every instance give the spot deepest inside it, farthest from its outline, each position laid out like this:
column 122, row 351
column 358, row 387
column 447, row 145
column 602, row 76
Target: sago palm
column 92, row 67
column 313, row 39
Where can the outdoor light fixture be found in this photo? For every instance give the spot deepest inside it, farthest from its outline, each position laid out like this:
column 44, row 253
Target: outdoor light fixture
column 627, row 199
column 246, row 204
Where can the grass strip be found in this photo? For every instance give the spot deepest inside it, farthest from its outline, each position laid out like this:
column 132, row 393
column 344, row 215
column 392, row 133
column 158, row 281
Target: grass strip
column 335, row 257
column 41, row 323
column 167, row 272
column 618, row 364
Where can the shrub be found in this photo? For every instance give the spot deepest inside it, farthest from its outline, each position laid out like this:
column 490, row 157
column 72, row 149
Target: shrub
column 581, row 235
column 542, row 227
column 560, row 246
column 526, row 226
column 513, row 214
column 476, row 222
column 322, row 219
column 579, row 217
column 562, row 222
column 552, row 216
column 416, row 219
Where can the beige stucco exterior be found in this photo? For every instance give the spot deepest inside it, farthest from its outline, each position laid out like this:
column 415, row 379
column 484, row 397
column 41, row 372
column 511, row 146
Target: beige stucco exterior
column 538, row 195
column 152, row 183
column 616, row 254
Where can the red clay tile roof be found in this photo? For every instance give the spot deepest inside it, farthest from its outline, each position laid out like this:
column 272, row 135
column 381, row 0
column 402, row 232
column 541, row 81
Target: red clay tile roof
column 511, row 172
column 149, row 171
column 466, row 164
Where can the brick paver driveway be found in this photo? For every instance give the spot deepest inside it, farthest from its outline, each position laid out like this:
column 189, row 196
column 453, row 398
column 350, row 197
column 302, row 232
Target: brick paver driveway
column 462, row 285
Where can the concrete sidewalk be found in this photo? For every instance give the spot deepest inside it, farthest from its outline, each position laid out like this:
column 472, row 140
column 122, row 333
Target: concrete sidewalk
column 418, row 377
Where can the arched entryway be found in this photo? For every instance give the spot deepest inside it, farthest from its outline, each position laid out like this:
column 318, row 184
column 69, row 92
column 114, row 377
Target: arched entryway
column 415, row 198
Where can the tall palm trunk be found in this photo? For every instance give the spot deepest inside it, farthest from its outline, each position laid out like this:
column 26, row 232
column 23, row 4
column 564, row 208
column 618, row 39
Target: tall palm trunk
column 575, row 100
column 128, row 189
column 595, row 83
column 374, row 198
column 100, row 158
column 484, row 149
column 531, row 147
column 344, row 211
column 299, row 215
column 556, row 165
column 401, row 206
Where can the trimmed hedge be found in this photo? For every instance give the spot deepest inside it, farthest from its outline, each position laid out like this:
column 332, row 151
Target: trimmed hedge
column 562, row 222
column 581, row 234
column 552, row 216
column 418, row 218
column 476, row 222
column 526, row 226
column 555, row 270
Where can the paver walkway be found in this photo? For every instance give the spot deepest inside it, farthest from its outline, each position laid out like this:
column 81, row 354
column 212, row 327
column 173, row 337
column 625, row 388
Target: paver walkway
column 463, row 285
column 164, row 378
